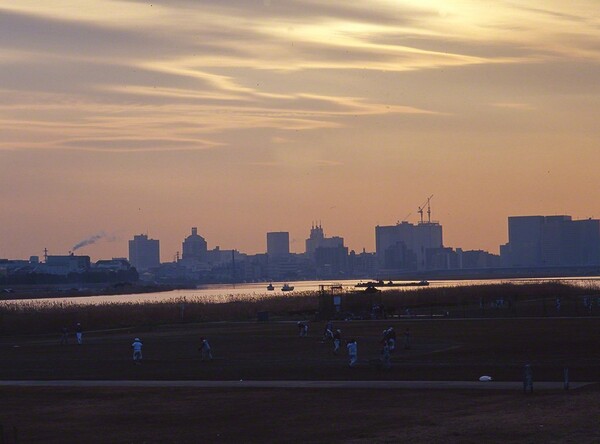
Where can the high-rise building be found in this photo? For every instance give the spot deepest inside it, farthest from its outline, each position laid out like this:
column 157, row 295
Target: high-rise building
column 144, row 253
column 582, row 242
column 194, row 247
column 550, row 241
column 405, row 246
column 525, row 240
column 278, row 244
column 317, row 239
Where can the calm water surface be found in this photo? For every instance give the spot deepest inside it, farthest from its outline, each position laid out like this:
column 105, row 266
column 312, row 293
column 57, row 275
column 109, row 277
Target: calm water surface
column 225, row 292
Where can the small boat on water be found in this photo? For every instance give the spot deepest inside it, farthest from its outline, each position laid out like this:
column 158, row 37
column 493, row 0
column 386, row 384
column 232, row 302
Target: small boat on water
column 287, row 287
column 391, row 284
column 270, row 287
column 370, row 290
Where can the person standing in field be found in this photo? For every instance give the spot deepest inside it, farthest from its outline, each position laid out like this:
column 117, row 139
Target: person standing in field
column 328, row 333
column 337, row 341
column 205, row 352
column 64, row 338
column 386, row 360
column 391, row 339
column 137, row 351
column 407, row 339
column 303, row 328
column 352, row 352
column 79, row 333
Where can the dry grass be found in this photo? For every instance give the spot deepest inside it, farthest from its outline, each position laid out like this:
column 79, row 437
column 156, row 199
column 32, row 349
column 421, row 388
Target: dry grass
column 49, row 317
column 284, row 416
column 28, row 317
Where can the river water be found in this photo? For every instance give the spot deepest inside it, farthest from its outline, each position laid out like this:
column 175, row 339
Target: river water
column 225, row 292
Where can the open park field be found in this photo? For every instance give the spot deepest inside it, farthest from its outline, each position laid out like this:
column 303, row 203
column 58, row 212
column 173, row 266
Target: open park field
column 440, row 349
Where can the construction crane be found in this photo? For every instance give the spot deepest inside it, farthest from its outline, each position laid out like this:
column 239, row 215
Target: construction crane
column 405, row 218
column 422, row 207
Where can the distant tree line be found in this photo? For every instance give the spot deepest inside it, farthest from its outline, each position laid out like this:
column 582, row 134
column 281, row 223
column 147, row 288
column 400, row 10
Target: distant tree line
column 86, row 277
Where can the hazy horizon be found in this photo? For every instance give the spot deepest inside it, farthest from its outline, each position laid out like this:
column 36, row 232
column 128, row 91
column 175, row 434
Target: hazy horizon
column 243, row 117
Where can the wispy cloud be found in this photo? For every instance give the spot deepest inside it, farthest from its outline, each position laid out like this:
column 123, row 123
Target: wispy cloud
column 134, row 76
column 517, row 106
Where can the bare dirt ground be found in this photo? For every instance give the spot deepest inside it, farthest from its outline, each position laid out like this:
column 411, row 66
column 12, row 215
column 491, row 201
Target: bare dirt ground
column 275, row 415
column 440, row 350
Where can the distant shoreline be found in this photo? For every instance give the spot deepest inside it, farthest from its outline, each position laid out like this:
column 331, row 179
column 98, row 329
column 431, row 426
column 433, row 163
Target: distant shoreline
column 49, row 292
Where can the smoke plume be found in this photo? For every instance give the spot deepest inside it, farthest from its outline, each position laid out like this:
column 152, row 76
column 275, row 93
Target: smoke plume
column 89, row 241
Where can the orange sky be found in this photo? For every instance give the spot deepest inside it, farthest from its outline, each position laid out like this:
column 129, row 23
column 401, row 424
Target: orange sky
column 242, row 117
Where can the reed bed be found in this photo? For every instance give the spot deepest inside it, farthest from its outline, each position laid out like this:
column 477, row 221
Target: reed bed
column 537, row 299
column 24, row 317
column 534, row 299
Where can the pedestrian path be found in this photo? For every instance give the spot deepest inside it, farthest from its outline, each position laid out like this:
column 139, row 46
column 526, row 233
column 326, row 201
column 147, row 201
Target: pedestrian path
column 407, row 385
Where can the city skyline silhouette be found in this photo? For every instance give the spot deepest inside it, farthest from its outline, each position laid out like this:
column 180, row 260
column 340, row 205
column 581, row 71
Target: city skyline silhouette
column 242, row 118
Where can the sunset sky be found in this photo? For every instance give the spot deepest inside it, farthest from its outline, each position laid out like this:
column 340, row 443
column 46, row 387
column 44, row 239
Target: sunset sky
column 246, row 116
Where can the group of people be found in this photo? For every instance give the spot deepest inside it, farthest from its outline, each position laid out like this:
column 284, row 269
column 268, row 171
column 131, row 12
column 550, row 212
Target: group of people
column 389, row 338
column 303, row 328
column 64, row 338
column 388, row 342
column 204, row 349
column 335, row 335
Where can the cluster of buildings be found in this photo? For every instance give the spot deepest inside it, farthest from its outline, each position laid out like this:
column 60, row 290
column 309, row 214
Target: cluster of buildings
column 325, row 257
column 537, row 245
column 66, row 269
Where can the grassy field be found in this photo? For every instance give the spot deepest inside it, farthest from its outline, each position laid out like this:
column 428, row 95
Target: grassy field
column 446, row 348
column 440, row 349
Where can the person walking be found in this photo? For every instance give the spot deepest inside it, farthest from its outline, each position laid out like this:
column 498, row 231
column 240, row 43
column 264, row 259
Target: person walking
column 205, row 352
column 352, row 352
column 79, row 333
column 137, row 351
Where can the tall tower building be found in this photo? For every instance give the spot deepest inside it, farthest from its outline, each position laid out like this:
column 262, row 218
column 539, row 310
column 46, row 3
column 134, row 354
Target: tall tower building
column 317, row 239
column 194, row 247
column 404, row 245
column 278, row 244
column 144, row 253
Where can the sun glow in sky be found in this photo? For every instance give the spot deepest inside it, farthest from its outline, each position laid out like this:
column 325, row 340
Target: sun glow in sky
column 242, row 117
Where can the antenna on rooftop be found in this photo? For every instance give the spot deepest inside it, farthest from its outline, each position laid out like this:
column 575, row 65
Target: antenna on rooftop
column 422, row 207
column 429, row 209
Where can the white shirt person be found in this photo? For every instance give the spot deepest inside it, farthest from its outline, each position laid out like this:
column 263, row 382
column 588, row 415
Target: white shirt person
column 137, row 350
